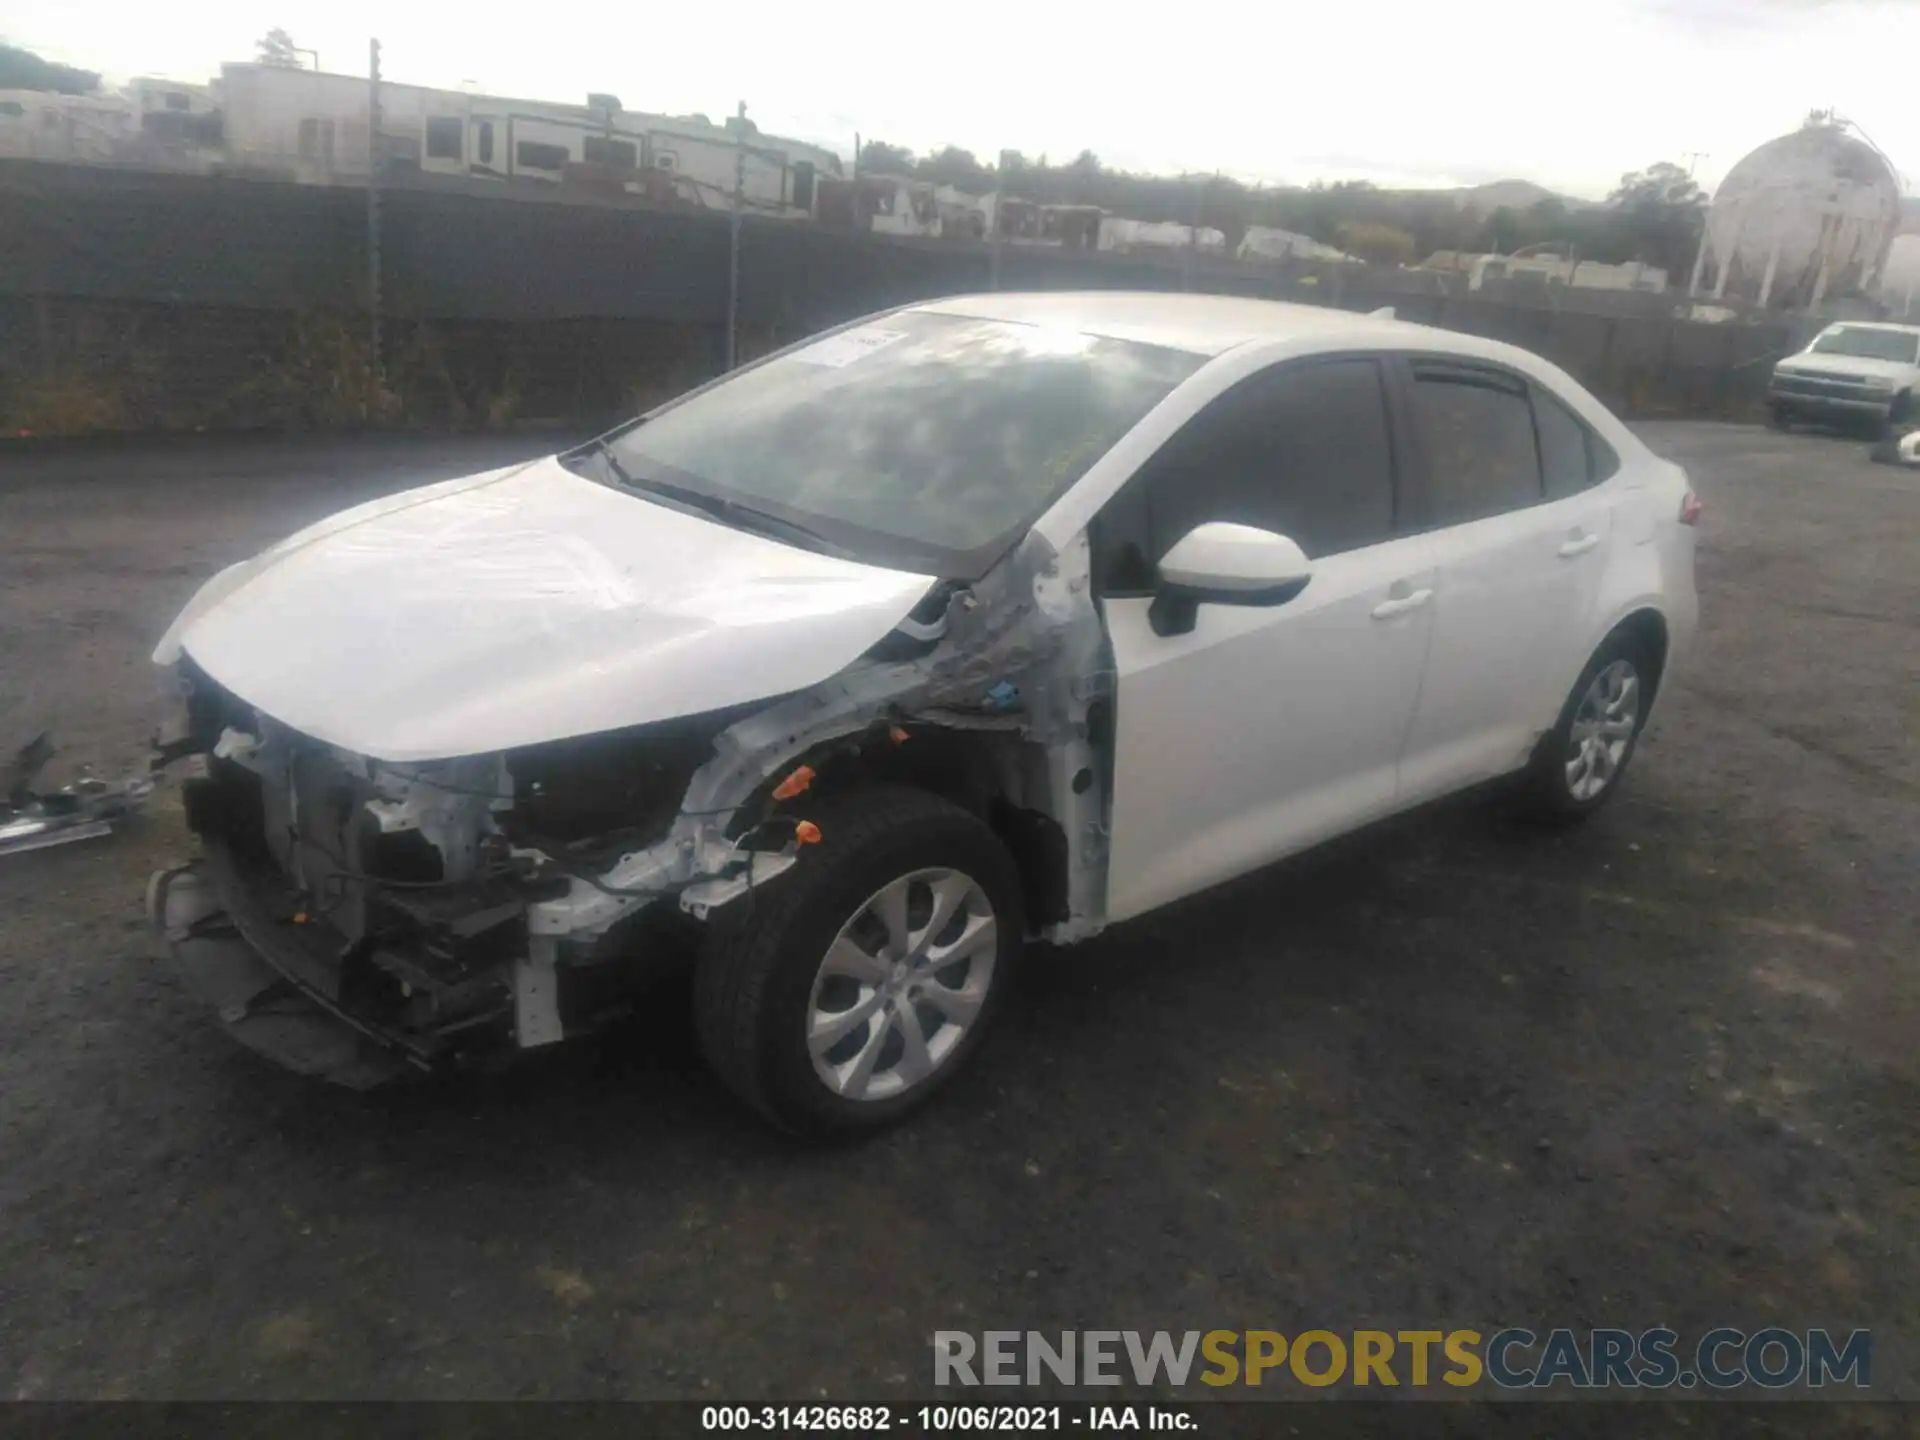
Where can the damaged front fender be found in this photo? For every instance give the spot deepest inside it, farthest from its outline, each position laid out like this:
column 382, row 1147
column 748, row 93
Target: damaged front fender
column 1023, row 652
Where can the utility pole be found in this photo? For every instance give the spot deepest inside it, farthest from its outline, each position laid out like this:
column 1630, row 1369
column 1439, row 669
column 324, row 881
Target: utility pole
column 733, row 247
column 373, row 200
column 999, row 209
column 1692, row 158
column 1193, row 237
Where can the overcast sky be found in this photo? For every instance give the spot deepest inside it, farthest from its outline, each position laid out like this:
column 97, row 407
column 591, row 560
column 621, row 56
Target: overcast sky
column 1418, row 93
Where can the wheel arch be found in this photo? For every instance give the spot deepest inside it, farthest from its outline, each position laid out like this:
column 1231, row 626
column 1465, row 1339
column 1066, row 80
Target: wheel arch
column 997, row 776
column 1643, row 615
column 756, row 982
column 1647, row 626
column 1546, row 784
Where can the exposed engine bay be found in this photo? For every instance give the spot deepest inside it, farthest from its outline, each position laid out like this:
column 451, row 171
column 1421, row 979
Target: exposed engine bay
column 354, row 917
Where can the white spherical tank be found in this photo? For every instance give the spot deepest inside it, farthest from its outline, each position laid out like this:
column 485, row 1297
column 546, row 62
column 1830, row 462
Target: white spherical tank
column 1803, row 217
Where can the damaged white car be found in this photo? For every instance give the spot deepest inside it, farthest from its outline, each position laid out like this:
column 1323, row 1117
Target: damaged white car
column 981, row 621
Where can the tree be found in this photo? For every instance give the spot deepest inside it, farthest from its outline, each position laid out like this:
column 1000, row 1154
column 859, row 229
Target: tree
column 950, row 165
column 1545, row 222
column 1659, row 214
column 1506, row 231
column 276, row 48
column 1664, row 184
column 24, row 70
column 879, row 158
column 1655, row 214
column 1548, row 217
column 1377, row 244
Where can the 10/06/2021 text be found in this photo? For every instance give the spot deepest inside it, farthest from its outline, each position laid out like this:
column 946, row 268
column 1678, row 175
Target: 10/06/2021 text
column 880, row 1419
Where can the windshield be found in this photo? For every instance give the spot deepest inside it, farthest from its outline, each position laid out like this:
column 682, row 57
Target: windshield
column 922, row 441
column 1868, row 344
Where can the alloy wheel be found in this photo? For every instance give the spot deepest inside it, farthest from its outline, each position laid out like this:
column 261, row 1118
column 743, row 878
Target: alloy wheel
column 1603, row 728
column 901, row 984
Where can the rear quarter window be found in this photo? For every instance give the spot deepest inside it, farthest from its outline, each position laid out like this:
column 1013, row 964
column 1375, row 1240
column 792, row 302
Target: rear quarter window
column 1572, row 456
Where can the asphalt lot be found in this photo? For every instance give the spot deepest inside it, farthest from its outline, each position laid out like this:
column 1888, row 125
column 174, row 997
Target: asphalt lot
column 1446, row 1073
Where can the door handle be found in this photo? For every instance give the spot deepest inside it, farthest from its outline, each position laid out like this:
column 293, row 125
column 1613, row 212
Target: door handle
column 1579, row 546
column 1387, row 609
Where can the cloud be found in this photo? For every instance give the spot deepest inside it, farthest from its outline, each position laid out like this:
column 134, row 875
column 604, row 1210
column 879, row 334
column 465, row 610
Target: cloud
column 1750, row 16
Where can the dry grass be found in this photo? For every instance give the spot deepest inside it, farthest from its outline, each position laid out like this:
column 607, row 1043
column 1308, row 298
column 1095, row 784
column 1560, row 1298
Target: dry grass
column 65, row 402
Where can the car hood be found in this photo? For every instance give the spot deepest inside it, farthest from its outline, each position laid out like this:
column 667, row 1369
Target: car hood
column 520, row 606
column 1853, row 367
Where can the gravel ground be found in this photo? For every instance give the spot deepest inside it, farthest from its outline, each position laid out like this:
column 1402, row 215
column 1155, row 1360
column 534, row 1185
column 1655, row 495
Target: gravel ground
column 1444, row 1073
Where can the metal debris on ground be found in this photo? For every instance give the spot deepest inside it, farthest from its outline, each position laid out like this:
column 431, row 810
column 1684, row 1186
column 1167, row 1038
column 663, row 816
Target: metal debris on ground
column 1899, row 446
column 32, row 820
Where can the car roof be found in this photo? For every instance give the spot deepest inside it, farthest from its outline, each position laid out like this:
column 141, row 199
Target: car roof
column 1200, row 324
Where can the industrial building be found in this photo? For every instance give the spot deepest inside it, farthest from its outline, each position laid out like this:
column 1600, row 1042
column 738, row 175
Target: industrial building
column 273, row 121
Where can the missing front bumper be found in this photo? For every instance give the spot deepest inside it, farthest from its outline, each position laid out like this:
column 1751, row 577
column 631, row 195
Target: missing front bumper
column 263, row 1007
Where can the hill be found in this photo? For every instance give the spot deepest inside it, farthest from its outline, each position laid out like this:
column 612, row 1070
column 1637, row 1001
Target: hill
column 1498, row 194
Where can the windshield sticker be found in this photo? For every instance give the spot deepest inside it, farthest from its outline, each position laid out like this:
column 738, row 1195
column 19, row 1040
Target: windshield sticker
column 841, row 350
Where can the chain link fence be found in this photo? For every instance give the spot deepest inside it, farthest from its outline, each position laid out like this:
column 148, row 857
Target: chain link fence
column 139, row 300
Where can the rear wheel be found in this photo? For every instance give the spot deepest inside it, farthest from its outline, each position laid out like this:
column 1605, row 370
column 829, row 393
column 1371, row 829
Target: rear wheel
column 1579, row 763
column 860, row 982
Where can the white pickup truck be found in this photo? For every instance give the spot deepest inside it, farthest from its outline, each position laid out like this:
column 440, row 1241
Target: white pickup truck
column 1852, row 371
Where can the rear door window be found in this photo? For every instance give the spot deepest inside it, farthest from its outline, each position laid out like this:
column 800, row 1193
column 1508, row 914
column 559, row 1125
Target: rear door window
column 1482, row 455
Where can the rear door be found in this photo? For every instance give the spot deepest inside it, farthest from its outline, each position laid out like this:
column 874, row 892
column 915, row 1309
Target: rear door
column 1505, row 479
column 1262, row 730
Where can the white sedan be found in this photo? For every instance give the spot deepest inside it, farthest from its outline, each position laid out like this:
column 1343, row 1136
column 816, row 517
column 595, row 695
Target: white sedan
column 981, row 621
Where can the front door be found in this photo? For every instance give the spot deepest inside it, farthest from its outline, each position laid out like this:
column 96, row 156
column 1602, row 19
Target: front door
column 1263, row 729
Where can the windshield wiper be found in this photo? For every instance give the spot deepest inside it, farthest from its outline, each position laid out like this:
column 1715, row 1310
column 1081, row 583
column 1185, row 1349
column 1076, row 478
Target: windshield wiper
column 779, row 527
column 608, row 458
column 718, row 507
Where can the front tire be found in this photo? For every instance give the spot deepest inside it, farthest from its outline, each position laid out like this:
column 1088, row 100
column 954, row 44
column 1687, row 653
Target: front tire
column 1580, row 762
column 845, row 994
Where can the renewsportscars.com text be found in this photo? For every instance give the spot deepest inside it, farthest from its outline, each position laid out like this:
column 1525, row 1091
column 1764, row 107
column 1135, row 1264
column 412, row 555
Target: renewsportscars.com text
column 1511, row 1359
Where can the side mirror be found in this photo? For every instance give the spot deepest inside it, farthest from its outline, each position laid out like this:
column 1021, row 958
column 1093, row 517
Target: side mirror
column 1222, row 564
